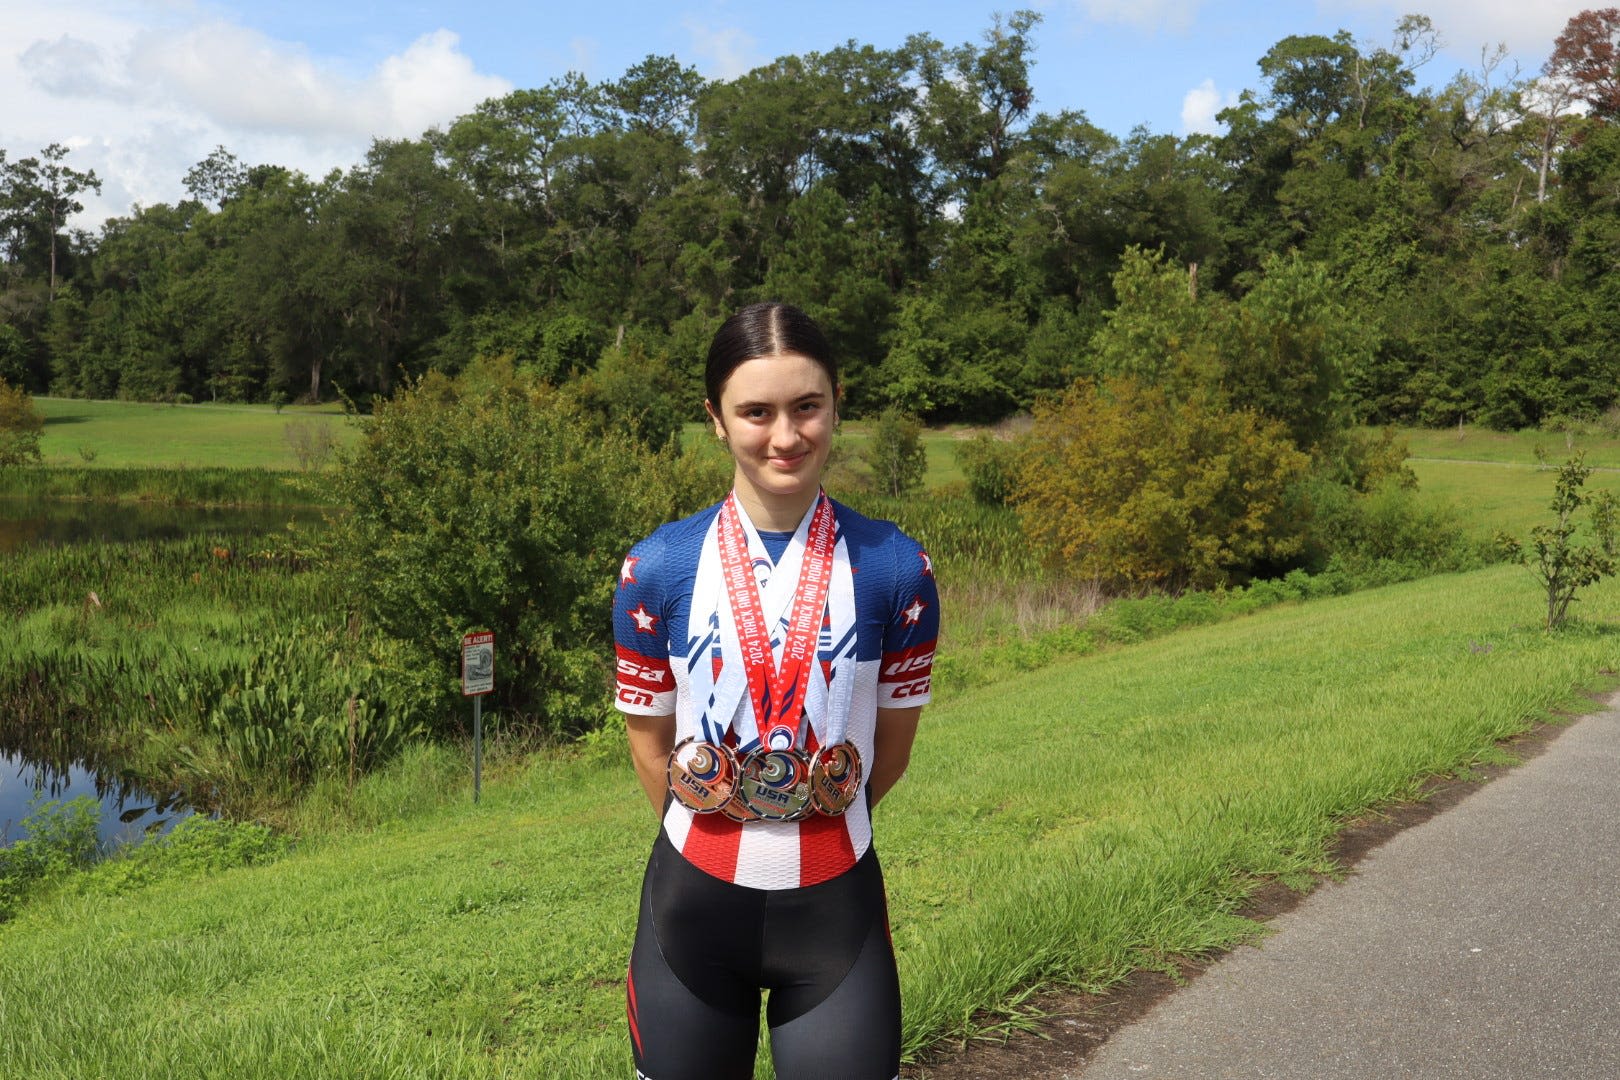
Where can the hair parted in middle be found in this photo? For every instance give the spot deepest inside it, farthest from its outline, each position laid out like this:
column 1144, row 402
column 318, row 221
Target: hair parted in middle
column 766, row 329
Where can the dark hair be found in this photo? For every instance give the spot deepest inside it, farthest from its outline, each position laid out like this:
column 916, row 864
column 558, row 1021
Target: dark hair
column 768, row 329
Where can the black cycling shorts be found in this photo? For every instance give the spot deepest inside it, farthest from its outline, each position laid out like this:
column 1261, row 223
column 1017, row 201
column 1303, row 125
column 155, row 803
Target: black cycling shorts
column 706, row 948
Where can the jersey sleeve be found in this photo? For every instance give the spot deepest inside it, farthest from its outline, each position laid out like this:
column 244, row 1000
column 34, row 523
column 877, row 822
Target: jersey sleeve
column 906, row 676
column 644, row 685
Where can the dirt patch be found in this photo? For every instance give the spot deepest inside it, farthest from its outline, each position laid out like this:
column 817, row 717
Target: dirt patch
column 1074, row 1025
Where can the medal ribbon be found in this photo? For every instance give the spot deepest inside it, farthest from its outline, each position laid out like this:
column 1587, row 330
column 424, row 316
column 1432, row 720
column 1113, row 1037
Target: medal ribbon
column 777, row 690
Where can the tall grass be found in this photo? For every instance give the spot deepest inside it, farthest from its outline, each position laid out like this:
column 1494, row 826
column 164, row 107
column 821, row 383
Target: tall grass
column 1061, row 827
column 190, row 486
column 229, row 674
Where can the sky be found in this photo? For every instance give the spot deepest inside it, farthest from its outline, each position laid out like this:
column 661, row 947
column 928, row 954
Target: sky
column 140, row 90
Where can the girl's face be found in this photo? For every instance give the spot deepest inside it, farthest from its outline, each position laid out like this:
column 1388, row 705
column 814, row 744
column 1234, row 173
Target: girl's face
column 776, row 414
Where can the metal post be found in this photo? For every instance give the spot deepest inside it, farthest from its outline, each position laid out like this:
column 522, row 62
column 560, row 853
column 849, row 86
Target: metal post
column 478, row 745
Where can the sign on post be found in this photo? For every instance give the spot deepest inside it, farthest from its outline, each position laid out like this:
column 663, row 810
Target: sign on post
column 478, row 663
column 478, row 679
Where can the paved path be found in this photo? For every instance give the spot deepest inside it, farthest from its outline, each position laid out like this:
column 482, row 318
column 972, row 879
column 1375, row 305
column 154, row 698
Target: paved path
column 1481, row 944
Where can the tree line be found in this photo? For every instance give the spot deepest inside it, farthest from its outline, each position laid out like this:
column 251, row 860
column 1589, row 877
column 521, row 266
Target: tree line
column 1435, row 256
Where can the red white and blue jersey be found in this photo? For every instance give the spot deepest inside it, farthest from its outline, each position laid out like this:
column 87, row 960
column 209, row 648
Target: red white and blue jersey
column 896, row 625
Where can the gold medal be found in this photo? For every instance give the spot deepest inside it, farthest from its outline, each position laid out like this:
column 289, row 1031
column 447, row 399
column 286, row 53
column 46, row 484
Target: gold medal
column 774, row 785
column 835, row 778
column 702, row 775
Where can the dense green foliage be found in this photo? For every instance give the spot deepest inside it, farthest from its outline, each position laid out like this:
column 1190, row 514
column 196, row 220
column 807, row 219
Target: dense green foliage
column 55, row 839
column 895, row 453
column 493, row 502
column 1131, row 487
column 20, row 425
column 1352, row 245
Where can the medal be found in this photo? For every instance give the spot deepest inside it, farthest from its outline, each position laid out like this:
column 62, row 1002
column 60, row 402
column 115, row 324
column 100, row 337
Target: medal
column 775, row 785
column 702, row 775
column 774, row 782
column 835, row 778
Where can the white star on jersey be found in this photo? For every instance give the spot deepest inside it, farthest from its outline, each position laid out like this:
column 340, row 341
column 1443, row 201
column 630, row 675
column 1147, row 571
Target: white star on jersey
column 912, row 613
column 644, row 619
column 627, row 572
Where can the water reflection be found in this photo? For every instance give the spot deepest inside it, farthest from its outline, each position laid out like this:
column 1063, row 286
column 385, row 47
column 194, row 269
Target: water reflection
column 32, row 522
column 127, row 813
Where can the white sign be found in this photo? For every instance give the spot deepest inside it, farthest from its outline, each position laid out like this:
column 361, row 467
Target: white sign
column 478, row 663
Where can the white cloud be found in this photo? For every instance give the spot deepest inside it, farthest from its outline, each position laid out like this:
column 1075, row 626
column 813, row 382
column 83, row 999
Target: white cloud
column 730, row 52
column 1174, row 15
column 1201, row 104
column 142, row 92
column 1526, row 28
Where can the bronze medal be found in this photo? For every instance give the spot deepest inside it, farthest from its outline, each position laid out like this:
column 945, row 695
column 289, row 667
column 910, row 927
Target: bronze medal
column 774, row 785
column 835, row 778
column 702, row 775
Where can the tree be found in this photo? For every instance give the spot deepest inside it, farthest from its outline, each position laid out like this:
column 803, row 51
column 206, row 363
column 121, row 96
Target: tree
column 1561, row 565
column 20, row 426
column 44, row 194
column 216, row 178
column 895, row 453
column 1586, row 57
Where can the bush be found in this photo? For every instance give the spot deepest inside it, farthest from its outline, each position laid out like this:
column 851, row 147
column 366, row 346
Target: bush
column 493, row 502
column 1131, row 488
column 990, row 465
column 20, row 426
column 895, row 453
column 635, row 392
column 57, row 838
column 311, row 443
column 1390, row 525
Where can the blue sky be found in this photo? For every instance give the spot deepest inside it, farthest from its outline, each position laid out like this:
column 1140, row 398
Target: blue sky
column 141, row 89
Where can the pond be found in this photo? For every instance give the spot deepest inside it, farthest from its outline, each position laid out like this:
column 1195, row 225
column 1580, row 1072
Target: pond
column 127, row 813
column 38, row 522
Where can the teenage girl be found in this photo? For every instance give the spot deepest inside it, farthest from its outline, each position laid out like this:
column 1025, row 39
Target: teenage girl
column 774, row 654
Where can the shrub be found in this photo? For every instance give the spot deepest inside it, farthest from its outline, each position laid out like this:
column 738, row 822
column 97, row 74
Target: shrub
column 20, row 426
column 635, row 392
column 1129, row 487
column 312, row 443
column 57, row 838
column 493, row 502
column 895, row 453
column 990, row 465
column 1562, row 566
column 1391, row 524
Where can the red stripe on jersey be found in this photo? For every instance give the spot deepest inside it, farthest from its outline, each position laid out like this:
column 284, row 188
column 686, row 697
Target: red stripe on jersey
column 907, row 665
column 825, row 850
column 712, row 844
column 630, row 1007
column 643, row 672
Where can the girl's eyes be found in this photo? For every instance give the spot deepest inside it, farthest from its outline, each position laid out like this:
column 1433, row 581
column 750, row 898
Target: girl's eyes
column 760, row 412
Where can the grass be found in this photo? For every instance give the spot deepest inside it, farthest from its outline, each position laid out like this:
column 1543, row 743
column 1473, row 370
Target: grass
column 1071, row 824
column 1516, row 447
column 1501, row 497
column 125, row 433
column 192, row 486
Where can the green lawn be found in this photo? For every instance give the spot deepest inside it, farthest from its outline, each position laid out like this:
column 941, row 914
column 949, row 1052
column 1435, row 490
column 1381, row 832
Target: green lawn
column 1482, row 444
column 125, row 433
column 1493, row 498
column 1064, row 826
